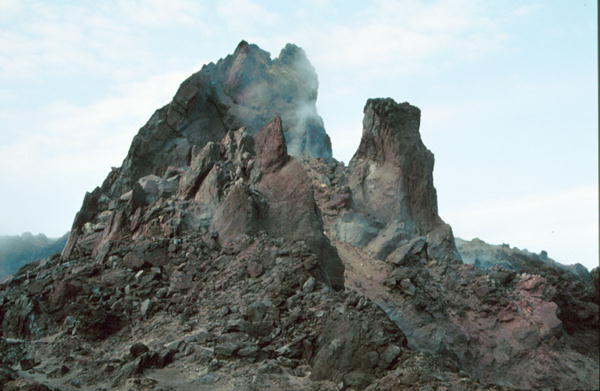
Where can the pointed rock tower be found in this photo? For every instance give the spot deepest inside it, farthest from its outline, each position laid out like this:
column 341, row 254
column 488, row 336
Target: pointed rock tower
column 391, row 180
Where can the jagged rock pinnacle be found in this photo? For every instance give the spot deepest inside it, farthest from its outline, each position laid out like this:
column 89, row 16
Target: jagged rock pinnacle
column 271, row 146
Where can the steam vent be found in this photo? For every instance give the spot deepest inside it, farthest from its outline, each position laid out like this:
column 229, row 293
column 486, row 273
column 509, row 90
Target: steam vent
column 230, row 251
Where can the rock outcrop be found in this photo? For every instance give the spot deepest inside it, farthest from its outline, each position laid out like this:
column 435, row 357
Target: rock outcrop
column 391, row 173
column 238, row 186
column 573, row 293
column 502, row 328
column 230, row 252
column 496, row 324
column 391, row 181
column 246, row 89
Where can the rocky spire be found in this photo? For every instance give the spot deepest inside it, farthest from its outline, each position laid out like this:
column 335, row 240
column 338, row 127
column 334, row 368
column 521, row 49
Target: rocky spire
column 391, row 180
column 392, row 170
column 271, row 146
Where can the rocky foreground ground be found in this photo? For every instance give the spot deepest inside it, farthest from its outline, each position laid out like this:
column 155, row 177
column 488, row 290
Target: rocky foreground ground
column 231, row 252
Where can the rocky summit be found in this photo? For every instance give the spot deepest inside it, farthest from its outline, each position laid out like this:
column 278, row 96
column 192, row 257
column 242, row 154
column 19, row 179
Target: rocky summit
column 230, row 251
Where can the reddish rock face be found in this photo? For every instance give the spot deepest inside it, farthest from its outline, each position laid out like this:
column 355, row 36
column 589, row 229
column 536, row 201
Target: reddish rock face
column 238, row 186
column 278, row 199
column 292, row 213
column 271, row 146
column 290, row 209
column 245, row 89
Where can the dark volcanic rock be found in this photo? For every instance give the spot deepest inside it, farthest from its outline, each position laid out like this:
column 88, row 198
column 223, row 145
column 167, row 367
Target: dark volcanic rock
column 138, row 349
column 239, row 213
column 348, row 347
column 291, row 209
column 6, row 375
column 206, row 261
column 237, row 186
column 511, row 334
column 391, row 180
column 27, row 364
column 391, row 173
column 495, row 326
column 573, row 292
column 246, row 89
column 281, row 203
column 98, row 324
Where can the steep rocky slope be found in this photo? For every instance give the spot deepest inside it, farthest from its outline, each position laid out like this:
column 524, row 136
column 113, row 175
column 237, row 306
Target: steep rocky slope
column 230, row 252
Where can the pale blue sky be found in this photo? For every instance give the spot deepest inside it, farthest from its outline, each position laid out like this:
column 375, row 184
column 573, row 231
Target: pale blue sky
column 507, row 89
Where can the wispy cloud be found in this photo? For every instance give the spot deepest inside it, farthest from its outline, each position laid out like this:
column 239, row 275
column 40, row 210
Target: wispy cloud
column 245, row 16
column 527, row 9
column 379, row 37
column 86, row 139
column 393, row 37
column 8, row 6
column 42, row 39
column 160, row 12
